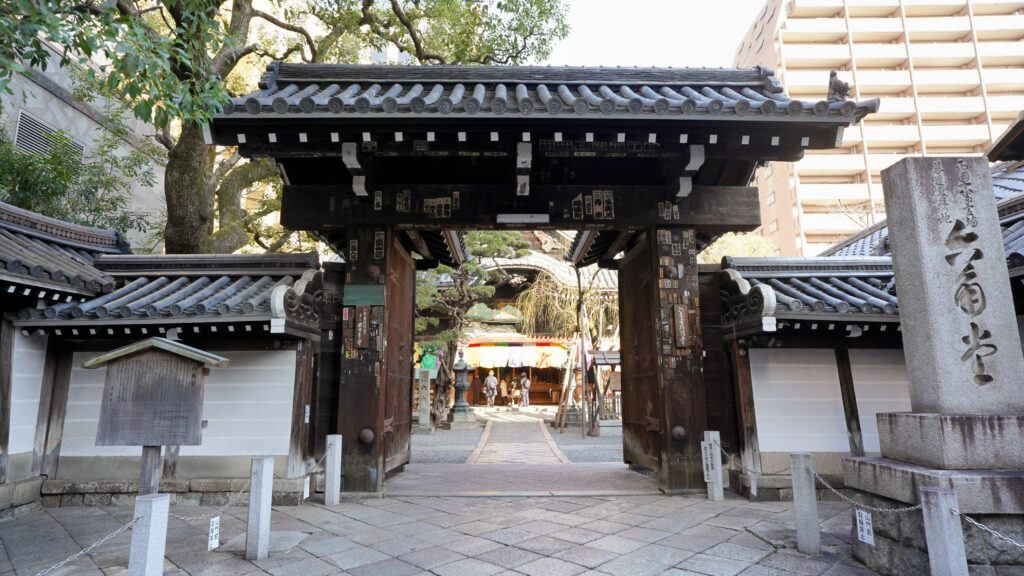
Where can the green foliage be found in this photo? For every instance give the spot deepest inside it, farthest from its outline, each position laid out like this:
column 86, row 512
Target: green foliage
column 737, row 244
column 158, row 68
column 447, row 294
column 93, row 190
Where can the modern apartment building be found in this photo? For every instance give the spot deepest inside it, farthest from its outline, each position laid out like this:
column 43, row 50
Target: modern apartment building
column 950, row 76
column 44, row 102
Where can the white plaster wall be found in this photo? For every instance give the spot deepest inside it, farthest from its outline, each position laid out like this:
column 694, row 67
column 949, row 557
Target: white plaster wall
column 797, row 401
column 248, row 406
column 27, row 376
column 881, row 385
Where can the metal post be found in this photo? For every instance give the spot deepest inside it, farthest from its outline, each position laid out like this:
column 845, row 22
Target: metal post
column 261, row 483
column 332, row 481
column 805, row 504
column 149, row 535
column 716, row 487
column 943, row 532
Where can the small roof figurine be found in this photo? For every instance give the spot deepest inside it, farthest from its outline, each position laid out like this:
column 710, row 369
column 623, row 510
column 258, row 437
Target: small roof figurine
column 211, row 360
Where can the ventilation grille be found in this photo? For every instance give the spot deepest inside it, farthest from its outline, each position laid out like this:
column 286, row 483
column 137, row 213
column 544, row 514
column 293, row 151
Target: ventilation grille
column 35, row 136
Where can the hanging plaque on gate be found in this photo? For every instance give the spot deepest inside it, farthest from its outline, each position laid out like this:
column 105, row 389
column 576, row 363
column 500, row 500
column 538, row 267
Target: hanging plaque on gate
column 865, row 530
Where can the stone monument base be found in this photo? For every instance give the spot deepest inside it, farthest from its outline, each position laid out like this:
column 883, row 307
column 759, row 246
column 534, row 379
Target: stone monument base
column 954, row 441
column 993, row 497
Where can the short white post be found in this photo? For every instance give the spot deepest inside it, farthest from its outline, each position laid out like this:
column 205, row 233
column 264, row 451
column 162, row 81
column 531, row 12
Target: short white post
column 332, row 471
column 149, row 535
column 943, row 532
column 261, row 484
column 713, row 465
column 805, row 505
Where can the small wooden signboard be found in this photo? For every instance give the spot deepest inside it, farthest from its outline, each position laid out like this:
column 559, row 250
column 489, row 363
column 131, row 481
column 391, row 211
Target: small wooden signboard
column 153, row 397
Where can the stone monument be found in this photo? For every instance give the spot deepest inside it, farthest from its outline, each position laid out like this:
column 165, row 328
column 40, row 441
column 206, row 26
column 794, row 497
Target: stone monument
column 964, row 364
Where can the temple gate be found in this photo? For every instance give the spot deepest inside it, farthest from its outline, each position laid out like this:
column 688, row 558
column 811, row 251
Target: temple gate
column 649, row 165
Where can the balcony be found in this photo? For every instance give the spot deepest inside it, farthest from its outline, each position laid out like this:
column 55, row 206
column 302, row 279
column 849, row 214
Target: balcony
column 830, row 194
column 1001, row 53
column 815, row 8
column 875, row 29
column 834, row 223
column 831, row 165
column 1005, row 106
column 947, row 54
column 999, row 80
column 951, row 107
column 997, row 6
column 1006, row 27
column 820, row 56
column 945, row 81
column 879, row 55
column 797, row 30
column 963, row 135
column 891, row 136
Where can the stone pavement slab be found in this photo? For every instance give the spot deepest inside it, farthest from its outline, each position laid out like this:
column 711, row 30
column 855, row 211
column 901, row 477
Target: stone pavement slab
column 448, row 536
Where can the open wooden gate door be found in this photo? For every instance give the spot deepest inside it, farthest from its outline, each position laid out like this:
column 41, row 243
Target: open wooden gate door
column 641, row 384
column 398, row 337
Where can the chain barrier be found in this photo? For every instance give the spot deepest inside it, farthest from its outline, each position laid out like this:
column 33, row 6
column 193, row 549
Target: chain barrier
column 984, row 528
column 746, row 470
column 231, row 502
column 317, row 470
column 92, row 547
column 861, row 505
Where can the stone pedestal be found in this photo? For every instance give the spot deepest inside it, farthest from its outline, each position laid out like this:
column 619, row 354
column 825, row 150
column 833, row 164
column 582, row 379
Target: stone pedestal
column 964, row 362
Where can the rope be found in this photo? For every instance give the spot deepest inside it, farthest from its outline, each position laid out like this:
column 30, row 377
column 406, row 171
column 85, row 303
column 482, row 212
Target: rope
column 92, row 547
column 984, row 528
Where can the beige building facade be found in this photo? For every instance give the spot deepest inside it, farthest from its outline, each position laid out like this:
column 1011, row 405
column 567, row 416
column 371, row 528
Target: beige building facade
column 43, row 101
column 950, row 76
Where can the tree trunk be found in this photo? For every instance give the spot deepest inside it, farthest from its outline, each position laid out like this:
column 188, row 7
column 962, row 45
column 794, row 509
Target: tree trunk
column 189, row 206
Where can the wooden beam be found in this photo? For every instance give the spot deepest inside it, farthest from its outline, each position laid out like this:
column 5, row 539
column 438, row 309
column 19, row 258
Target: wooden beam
column 583, row 246
column 419, row 244
column 744, row 389
column 454, row 243
column 7, row 334
column 714, row 209
column 849, row 401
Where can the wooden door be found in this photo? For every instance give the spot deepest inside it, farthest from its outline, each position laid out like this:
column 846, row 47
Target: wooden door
column 641, row 383
column 398, row 379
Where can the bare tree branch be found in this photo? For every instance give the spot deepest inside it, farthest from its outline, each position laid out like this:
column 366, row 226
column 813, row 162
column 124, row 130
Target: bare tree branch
column 417, row 41
column 291, row 28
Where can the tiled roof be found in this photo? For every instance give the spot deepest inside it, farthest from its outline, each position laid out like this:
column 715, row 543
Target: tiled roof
column 175, row 290
column 329, row 89
column 591, row 277
column 855, row 288
column 1008, row 185
column 47, row 258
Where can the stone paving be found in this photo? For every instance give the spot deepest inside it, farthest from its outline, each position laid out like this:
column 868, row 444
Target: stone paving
column 496, row 516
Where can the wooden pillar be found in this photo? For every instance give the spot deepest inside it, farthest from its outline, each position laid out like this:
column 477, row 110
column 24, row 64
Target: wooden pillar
column 664, row 411
column 744, row 389
column 53, row 404
column 376, row 365
column 298, row 447
column 325, row 402
column 849, row 401
column 6, row 374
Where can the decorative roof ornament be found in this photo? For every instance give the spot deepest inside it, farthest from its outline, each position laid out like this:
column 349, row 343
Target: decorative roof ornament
column 838, row 91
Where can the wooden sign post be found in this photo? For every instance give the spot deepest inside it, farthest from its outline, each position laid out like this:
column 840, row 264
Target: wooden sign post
column 153, row 397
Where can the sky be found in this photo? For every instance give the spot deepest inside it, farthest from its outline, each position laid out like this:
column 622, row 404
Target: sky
column 654, row 32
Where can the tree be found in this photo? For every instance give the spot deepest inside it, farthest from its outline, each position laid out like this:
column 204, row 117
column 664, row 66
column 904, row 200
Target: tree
column 445, row 294
column 550, row 307
column 737, row 244
column 92, row 189
column 166, row 59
